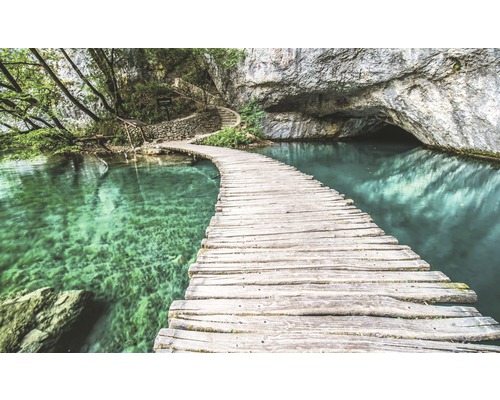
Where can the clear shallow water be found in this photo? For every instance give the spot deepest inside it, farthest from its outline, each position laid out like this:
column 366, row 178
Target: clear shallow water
column 445, row 207
column 127, row 235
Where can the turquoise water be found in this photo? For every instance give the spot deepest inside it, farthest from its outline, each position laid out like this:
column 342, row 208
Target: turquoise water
column 445, row 207
column 127, row 234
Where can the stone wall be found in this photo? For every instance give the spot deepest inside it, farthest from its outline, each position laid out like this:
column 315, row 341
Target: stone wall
column 185, row 128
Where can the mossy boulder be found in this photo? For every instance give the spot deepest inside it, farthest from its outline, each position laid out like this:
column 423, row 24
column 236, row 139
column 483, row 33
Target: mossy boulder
column 34, row 322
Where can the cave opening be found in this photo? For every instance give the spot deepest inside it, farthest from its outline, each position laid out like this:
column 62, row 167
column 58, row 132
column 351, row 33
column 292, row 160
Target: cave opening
column 390, row 134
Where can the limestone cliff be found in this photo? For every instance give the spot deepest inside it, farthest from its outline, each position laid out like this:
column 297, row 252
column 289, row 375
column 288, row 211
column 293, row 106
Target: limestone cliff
column 444, row 97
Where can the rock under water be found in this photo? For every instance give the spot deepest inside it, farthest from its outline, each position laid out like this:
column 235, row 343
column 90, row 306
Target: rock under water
column 35, row 322
column 444, row 97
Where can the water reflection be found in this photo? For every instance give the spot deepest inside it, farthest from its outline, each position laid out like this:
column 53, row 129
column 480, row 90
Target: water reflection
column 445, row 207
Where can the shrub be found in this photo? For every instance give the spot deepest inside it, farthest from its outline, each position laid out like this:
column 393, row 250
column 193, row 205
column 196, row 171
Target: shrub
column 229, row 137
column 251, row 115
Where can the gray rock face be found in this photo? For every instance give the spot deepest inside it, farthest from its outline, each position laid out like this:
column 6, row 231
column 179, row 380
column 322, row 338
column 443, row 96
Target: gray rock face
column 34, row 322
column 444, row 97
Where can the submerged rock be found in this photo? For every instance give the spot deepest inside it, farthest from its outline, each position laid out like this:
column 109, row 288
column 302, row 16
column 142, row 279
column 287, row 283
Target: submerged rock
column 444, row 97
column 34, row 322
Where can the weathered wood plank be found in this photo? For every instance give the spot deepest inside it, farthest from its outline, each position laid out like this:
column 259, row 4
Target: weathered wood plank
column 283, row 209
column 368, row 305
column 280, row 200
column 284, row 222
column 177, row 339
column 362, row 232
column 455, row 329
column 306, row 248
column 265, row 191
column 216, row 231
column 352, row 264
column 212, row 255
column 278, row 196
column 429, row 292
column 318, row 276
column 332, row 243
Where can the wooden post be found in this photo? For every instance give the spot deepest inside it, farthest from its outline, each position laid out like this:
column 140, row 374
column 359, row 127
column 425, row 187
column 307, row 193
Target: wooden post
column 129, row 138
column 142, row 134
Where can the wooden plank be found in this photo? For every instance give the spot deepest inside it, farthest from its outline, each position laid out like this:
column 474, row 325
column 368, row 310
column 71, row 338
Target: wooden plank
column 291, row 242
column 354, row 265
column 450, row 329
column 285, row 243
column 212, row 255
column 215, row 231
column 428, row 292
column 278, row 198
column 285, row 221
column 176, row 339
column 304, row 235
column 326, row 276
column 306, row 248
column 338, row 213
column 297, row 245
column 266, row 191
column 368, row 305
column 277, row 208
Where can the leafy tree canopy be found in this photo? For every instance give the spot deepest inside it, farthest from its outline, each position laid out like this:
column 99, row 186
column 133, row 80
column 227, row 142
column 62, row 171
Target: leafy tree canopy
column 45, row 92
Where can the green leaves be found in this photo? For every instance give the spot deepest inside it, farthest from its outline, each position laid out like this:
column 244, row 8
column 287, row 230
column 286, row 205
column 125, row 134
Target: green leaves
column 36, row 142
column 245, row 133
column 43, row 93
column 229, row 137
column 251, row 115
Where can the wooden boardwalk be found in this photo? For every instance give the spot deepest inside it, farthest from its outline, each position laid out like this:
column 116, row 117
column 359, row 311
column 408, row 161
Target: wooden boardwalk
column 289, row 265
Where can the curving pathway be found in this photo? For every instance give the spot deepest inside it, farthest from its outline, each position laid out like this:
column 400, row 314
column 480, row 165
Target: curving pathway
column 289, row 265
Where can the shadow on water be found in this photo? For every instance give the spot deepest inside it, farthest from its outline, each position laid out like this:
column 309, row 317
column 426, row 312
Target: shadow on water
column 445, row 207
column 74, row 341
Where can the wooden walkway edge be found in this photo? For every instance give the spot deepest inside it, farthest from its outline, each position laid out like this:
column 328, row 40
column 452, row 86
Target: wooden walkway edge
column 289, row 265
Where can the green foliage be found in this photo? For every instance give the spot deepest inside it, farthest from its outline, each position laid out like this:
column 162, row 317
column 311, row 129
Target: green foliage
column 37, row 142
column 141, row 102
column 251, row 115
column 226, row 58
column 246, row 133
column 106, row 83
column 229, row 137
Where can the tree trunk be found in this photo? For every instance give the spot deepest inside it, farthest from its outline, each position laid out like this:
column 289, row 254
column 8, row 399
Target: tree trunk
column 63, row 88
column 111, row 66
column 84, row 79
column 107, row 69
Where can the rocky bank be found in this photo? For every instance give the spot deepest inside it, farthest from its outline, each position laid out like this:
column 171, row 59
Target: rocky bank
column 34, row 322
column 448, row 98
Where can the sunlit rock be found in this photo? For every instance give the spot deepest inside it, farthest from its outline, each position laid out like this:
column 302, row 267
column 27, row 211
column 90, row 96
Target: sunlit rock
column 444, row 97
column 35, row 322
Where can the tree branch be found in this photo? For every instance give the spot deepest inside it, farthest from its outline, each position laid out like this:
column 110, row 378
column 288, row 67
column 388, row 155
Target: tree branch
column 7, row 86
column 87, row 82
column 10, row 78
column 62, row 87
